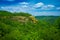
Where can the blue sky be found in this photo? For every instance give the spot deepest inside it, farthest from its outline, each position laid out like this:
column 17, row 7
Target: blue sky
column 34, row 7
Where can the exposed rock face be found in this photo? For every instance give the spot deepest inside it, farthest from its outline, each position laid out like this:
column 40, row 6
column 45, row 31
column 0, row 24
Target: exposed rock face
column 32, row 18
column 20, row 18
column 24, row 19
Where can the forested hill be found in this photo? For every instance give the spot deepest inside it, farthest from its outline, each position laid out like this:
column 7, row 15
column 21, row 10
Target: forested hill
column 50, row 19
column 46, row 17
column 24, row 26
column 6, row 13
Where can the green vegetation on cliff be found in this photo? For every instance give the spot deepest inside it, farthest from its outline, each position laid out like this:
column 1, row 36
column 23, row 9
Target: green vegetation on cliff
column 23, row 26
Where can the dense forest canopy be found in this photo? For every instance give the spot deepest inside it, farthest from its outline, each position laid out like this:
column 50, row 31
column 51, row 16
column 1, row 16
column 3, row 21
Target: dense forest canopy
column 24, row 26
column 6, row 13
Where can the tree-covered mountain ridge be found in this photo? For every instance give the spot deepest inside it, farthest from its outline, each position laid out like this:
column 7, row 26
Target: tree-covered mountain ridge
column 24, row 26
column 21, row 17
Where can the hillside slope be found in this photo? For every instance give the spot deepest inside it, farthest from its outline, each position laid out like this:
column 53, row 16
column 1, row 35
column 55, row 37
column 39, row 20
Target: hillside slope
column 23, row 26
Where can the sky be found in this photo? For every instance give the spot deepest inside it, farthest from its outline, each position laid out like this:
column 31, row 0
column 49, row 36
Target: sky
column 34, row 7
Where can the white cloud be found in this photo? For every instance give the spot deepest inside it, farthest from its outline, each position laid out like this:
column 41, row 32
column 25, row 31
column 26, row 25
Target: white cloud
column 20, row 7
column 23, row 3
column 17, row 8
column 24, row 6
column 40, row 4
column 47, row 7
column 51, row 6
column 58, row 8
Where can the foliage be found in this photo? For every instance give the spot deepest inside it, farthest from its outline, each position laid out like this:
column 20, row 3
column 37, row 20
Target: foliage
column 41, row 30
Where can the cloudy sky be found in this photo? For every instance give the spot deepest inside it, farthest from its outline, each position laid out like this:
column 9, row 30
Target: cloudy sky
column 34, row 7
